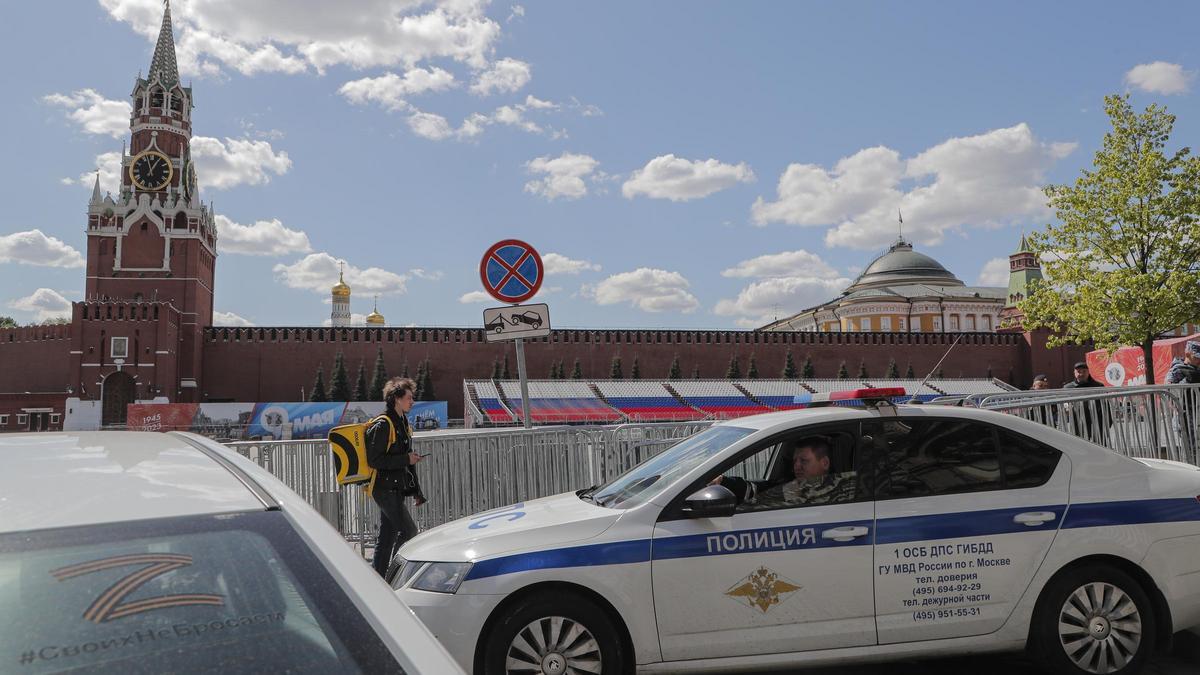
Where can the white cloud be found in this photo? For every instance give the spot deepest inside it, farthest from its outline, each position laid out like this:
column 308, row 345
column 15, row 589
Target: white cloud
column 264, row 237
column 44, row 304
column 763, row 301
column 291, row 36
column 222, row 165
column 35, row 248
column 504, row 76
column 650, row 290
column 786, row 264
column 679, row 179
column 230, row 319
column 93, row 113
column 475, row 297
column 391, row 90
column 435, row 275
column 978, row 181
column 431, row 126
column 109, row 165
column 994, row 273
column 1160, row 77
column 318, row 272
column 356, row 319
column 564, row 175
column 561, row 264
column 517, row 11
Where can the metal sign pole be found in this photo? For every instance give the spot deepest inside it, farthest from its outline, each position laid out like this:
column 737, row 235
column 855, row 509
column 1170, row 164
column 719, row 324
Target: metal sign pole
column 524, row 382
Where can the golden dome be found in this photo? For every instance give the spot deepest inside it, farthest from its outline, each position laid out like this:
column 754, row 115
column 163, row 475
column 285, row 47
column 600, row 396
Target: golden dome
column 340, row 289
column 375, row 318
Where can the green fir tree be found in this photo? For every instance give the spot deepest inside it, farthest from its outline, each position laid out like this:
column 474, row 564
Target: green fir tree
column 614, row 373
column 496, row 368
column 789, row 367
column 910, row 374
column 505, row 373
column 562, row 370
column 318, row 394
column 843, row 374
column 379, row 378
column 696, row 373
column 635, row 372
column 427, row 393
column 360, row 382
column 577, row 371
column 674, row 373
column 339, row 384
column 808, row 371
column 752, row 369
column 893, row 371
column 862, row 369
column 734, row 371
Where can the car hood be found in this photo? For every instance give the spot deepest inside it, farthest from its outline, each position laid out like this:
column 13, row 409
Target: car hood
column 538, row 524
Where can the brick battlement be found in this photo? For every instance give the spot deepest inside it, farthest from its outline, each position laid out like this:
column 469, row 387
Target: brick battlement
column 35, row 333
column 601, row 337
column 121, row 310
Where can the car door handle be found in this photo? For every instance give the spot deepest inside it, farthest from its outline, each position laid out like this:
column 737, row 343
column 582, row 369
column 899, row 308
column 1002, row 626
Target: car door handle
column 1034, row 518
column 844, row 533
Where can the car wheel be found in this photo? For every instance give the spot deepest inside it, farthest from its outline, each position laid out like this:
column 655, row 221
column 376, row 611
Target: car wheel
column 1095, row 620
column 556, row 634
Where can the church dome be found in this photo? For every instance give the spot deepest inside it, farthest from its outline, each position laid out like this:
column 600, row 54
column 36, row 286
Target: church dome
column 340, row 289
column 902, row 265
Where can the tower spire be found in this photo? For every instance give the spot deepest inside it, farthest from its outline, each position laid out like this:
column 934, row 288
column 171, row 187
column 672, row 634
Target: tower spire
column 900, row 217
column 96, row 199
column 163, row 65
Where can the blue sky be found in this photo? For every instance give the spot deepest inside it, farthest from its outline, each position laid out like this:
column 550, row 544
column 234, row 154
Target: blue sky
column 688, row 164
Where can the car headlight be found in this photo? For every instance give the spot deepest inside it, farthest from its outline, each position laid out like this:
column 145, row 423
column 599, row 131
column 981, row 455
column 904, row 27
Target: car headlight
column 440, row 577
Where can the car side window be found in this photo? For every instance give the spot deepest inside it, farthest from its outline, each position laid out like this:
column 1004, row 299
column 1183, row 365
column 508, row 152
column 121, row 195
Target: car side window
column 1027, row 463
column 925, row 457
column 804, row 469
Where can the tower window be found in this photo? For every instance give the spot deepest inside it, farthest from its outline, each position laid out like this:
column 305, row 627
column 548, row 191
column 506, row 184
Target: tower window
column 143, row 227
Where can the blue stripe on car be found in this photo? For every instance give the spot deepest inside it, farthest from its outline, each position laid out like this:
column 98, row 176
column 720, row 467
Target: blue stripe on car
column 888, row 531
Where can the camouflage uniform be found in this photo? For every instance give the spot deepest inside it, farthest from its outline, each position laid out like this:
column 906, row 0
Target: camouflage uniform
column 829, row 489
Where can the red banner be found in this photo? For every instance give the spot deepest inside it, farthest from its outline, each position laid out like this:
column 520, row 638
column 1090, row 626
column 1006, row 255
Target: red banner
column 1126, row 367
column 160, row 416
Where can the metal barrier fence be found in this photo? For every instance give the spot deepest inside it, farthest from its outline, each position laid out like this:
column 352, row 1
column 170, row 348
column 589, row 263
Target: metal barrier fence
column 474, row 470
column 1158, row 421
column 470, row 471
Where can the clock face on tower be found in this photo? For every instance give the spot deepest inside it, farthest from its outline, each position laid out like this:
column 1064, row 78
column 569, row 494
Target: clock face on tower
column 150, row 170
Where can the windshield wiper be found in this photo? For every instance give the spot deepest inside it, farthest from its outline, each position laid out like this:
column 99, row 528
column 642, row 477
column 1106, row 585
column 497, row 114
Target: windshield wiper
column 586, row 493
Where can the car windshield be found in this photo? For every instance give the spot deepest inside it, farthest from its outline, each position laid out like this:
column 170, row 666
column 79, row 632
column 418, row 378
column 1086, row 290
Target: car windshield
column 644, row 481
column 238, row 593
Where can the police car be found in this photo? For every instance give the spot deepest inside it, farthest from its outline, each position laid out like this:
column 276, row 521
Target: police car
column 933, row 531
column 166, row 553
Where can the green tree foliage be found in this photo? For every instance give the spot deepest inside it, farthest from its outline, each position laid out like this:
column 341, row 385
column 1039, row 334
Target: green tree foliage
column 635, row 372
column 752, row 369
column 7, row 322
column 893, row 371
column 404, row 369
column 909, row 373
column 577, row 371
column 553, row 370
column 807, row 371
column 496, row 372
column 1123, row 263
column 862, row 368
column 339, row 383
column 674, row 373
column 360, row 382
column 615, row 371
column 789, row 367
column 734, row 371
column 379, row 378
column 318, row 394
column 843, row 374
column 419, row 381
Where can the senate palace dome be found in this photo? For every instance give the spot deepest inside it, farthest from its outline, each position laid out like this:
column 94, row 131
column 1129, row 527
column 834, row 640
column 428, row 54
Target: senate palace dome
column 903, row 290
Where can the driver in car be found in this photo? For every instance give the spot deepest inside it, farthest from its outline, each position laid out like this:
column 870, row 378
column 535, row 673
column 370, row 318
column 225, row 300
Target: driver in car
column 810, row 483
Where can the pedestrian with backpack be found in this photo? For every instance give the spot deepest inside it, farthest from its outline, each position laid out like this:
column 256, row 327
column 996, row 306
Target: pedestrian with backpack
column 389, row 452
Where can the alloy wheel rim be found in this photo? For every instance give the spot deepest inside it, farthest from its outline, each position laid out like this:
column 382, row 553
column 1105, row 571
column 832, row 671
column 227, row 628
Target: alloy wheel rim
column 1100, row 628
column 554, row 645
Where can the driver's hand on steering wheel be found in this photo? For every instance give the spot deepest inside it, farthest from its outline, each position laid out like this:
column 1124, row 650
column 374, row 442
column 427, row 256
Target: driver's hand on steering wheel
column 716, row 481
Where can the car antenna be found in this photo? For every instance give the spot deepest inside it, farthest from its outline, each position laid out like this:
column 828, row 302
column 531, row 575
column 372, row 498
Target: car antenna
column 935, row 367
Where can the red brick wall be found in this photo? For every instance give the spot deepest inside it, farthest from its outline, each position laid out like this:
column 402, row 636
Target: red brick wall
column 249, row 364
column 34, row 359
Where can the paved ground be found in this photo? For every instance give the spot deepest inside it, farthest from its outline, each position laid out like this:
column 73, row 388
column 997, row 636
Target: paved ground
column 990, row 665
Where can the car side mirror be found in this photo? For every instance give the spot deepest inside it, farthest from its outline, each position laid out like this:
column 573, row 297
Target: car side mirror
column 710, row 501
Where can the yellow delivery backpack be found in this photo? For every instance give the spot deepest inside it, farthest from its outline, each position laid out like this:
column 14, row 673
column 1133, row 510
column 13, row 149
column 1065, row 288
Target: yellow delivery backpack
column 348, row 443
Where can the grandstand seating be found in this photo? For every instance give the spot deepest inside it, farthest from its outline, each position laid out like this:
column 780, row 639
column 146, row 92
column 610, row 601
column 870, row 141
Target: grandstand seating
column 911, row 388
column 489, row 401
column 956, row 387
column 719, row 398
column 560, row 401
column 645, row 401
column 777, row 394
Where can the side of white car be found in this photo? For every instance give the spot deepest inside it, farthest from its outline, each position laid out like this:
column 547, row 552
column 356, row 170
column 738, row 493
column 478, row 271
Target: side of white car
column 960, row 531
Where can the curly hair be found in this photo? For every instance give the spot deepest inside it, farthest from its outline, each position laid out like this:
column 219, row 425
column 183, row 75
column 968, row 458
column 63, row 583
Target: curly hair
column 395, row 389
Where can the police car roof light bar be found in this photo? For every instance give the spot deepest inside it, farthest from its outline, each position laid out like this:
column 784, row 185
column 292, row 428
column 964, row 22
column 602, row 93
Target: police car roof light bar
column 871, row 397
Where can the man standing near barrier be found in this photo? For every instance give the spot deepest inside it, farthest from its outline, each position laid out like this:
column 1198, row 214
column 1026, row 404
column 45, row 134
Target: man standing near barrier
column 389, row 452
column 1186, row 370
column 1083, row 423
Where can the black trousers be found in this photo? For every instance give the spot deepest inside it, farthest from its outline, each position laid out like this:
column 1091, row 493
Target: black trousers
column 396, row 526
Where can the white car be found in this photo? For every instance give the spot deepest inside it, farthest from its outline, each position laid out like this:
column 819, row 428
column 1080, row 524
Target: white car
column 166, row 553
column 934, row 531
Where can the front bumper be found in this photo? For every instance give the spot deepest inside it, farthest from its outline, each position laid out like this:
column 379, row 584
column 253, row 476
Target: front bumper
column 456, row 620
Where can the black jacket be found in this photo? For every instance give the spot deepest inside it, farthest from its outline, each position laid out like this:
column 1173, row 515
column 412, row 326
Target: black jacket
column 1087, row 383
column 391, row 462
